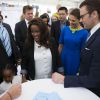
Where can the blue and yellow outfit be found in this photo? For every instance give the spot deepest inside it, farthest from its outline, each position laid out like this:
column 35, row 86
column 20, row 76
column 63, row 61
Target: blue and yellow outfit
column 72, row 41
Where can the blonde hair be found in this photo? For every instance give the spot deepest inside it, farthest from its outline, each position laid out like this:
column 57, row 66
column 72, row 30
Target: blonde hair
column 56, row 15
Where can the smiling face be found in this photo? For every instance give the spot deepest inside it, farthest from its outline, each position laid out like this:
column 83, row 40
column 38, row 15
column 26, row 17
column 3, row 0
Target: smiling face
column 35, row 33
column 45, row 20
column 86, row 18
column 74, row 22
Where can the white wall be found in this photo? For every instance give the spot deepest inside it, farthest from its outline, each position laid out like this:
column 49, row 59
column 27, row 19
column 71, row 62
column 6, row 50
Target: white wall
column 13, row 13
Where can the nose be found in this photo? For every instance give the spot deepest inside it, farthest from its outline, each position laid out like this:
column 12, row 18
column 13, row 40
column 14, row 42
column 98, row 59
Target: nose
column 80, row 19
column 71, row 22
column 34, row 33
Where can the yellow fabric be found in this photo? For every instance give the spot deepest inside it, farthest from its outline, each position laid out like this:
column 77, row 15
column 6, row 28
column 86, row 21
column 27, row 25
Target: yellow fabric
column 74, row 29
column 56, row 15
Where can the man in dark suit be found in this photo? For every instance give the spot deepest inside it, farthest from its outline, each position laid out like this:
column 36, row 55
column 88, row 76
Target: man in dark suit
column 21, row 27
column 89, row 72
column 58, row 25
column 8, row 50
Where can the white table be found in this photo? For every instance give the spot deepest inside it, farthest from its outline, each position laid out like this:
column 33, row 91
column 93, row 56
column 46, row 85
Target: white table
column 31, row 88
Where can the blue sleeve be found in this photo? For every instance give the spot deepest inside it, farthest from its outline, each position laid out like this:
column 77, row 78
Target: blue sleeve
column 61, row 39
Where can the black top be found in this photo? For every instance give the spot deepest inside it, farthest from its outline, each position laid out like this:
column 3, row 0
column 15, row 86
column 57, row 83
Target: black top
column 28, row 62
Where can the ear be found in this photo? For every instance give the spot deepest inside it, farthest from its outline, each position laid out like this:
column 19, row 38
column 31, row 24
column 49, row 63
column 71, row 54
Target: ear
column 94, row 14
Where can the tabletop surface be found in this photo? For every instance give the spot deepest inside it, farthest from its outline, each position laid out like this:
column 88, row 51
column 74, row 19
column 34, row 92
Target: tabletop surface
column 31, row 88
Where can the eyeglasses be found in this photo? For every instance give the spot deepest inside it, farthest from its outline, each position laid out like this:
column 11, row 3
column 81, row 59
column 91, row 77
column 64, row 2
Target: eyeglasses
column 82, row 16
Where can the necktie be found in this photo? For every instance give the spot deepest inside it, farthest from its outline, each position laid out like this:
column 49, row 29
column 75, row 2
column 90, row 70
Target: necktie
column 28, row 24
column 88, row 36
column 6, row 41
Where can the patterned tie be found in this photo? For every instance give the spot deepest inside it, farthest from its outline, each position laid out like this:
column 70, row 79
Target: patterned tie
column 6, row 41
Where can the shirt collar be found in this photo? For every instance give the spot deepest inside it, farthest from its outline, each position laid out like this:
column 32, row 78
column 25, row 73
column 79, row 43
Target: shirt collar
column 95, row 28
column 63, row 22
column 26, row 22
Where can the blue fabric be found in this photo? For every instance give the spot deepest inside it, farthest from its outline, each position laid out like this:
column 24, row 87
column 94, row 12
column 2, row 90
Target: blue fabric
column 4, row 36
column 47, row 96
column 72, row 45
column 1, row 29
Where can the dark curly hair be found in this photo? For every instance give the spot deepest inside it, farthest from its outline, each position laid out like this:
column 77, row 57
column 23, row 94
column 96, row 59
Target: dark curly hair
column 44, row 33
column 9, row 67
column 45, row 15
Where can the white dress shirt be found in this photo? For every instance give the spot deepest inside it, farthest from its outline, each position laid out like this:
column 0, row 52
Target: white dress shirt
column 27, row 24
column 43, row 61
column 94, row 29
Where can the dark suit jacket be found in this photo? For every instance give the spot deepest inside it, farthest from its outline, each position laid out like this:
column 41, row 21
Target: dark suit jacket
column 56, row 30
column 89, row 72
column 28, row 62
column 4, row 59
column 20, row 33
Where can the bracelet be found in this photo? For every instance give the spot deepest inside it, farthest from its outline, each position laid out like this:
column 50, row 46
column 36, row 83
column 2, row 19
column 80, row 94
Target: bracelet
column 9, row 95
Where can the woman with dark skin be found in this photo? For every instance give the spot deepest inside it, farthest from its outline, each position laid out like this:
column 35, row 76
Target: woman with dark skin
column 40, row 53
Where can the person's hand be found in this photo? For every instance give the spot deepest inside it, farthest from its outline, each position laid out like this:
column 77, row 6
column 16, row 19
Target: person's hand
column 15, row 91
column 58, row 78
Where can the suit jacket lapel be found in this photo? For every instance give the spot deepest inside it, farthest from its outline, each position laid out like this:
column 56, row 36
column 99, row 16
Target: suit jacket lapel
column 67, row 23
column 91, row 39
column 2, row 48
column 1, row 44
column 24, row 26
column 59, row 27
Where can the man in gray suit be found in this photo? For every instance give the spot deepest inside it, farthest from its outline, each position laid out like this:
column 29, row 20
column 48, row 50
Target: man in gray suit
column 89, row 72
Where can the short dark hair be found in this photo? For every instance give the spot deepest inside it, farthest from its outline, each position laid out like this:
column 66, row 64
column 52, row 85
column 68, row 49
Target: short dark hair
column 91, row 6
column 63, row 8
column 75, row 12
column 44, row 33
column 1, row 16
column 9, row 67
column 27, row 7
column 45, row 15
